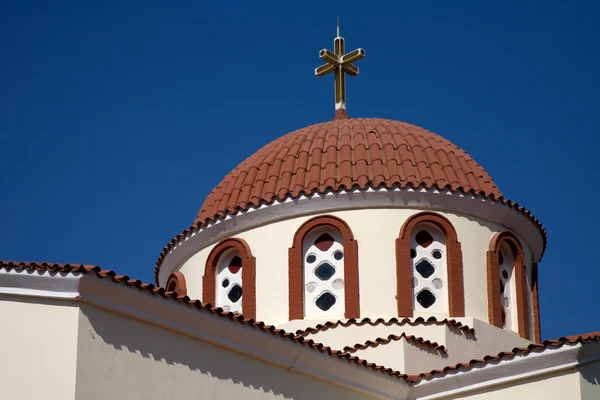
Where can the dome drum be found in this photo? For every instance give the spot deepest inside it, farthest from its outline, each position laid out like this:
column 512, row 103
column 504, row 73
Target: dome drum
column 372, row 176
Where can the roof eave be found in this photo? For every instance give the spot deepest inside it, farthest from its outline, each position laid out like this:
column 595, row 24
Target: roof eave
column 119, row 294
column 500, row 205
column 508, row 370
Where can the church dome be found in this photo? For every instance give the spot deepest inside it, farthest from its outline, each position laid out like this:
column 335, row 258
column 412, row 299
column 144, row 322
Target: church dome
column 342, row 154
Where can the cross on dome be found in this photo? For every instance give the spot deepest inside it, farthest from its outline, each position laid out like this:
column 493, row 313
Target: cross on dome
column 341, row 64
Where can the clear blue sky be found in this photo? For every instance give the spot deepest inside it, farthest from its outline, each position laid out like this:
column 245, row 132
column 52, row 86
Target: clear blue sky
column 117, row 119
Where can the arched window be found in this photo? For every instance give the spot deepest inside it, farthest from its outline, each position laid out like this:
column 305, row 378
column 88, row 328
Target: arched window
column 507, row 284
column 323, row 265
column 229, row 279
column 323, row 270
column 176, row 283
column 508, row 287
column 429, row 269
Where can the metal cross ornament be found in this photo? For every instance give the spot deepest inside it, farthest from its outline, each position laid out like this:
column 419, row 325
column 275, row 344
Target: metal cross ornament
column 340, row 63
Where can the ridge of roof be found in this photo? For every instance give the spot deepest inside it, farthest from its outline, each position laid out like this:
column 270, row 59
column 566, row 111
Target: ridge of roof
column 451, row 323
column 534, row 347
column 221, row 215
column 185, row 300
column 394, row 338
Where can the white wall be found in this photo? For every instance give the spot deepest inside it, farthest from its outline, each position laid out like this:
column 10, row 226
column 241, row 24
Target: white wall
column 123, row 358
column 461, row 346
column 376, row 231
column 405, row 356
column 557, row 386
column 38, row 348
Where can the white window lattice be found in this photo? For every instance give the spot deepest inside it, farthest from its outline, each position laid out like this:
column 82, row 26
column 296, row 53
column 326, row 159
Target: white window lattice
column 228, row 286
column 508, row 289
column 323, row 266
column 429, row 269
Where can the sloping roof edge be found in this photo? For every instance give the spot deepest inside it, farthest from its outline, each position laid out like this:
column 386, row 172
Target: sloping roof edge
column 507, row 355
column 420, row 341
column 185, row 300
column 451, row 323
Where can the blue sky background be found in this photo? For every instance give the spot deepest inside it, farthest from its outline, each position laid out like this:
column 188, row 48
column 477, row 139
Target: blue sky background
column 117, row 118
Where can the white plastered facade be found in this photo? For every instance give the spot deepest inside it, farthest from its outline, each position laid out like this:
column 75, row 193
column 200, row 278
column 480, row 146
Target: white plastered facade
column 38, row 347
column 461, row 345
column 78, row 336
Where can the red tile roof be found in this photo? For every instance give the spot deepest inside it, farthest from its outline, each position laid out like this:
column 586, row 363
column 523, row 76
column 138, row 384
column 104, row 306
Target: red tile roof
column 535, row 347
column 394, row 338
column 353, row 153
column 185, row 300
column 345, row 154
column 451, row 323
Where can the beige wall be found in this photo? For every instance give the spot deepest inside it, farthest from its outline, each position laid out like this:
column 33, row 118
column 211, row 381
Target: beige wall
column 38, row 348
column 490, row 340
column 405, row 356
column 558, row 386
column 52, row 349
column 376, row 231
column 461, row 347
column 123, row 358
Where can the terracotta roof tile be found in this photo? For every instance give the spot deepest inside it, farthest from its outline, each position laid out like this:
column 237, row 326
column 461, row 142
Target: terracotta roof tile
column 386, row 322
column 353, row 153
column 323, row 143
column 536, row 347
column 394, row 338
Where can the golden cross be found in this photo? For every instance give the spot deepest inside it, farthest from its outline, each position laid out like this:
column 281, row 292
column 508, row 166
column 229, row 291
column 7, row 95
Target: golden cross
column 340, row 63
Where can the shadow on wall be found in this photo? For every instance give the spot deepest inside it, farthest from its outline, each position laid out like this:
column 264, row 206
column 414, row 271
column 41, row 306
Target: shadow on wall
column 592, row 375
column 167, row 363
column 461, row 334
column 590, row 372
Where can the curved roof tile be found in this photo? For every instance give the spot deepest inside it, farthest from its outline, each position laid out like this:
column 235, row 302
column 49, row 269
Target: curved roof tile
column 345, row 153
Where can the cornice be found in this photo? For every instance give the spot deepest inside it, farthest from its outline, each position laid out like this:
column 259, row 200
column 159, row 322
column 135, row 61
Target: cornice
column 40, row 283
column 498, row 372
column 499, row 211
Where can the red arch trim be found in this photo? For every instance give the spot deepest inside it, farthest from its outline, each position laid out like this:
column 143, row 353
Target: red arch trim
column 537, row 329
column 296, row 279
column 248, row 274
column 493, row 282
column 456, row 292
column 176, row 283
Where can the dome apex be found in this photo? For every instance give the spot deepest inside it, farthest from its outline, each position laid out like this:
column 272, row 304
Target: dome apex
column 344, row 154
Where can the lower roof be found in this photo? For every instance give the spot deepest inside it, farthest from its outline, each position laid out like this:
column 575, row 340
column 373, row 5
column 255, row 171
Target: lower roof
column 298, row 337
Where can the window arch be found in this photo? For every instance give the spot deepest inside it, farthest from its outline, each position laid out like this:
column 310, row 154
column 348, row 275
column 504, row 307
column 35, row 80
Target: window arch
column 507, row 284
column 176, row 283
column 537, row 330
column 229, row 279
column 323, row 270
column 428, row 250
